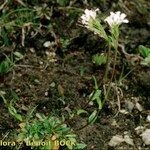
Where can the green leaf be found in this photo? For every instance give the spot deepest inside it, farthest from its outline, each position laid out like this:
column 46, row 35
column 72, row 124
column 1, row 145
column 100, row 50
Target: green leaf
column 12, row 107
column 96, row 95
column 6, row 39
column 80, row 146
column 18, row 116
column 71, row 142
column 30, row 113
column 95, row 83
column 21, row 137
column 92, row 118
column 71, row 136
column 81, row 111
column 15, row 96
column 39, row 116
column 62, row 2
column 144, row 51
column 97, row 28
column 115, row 31
column 13, row 112
column 146, row 61
column 83, row 70
column 5, row 66
column 18, row 55
column 62, row 129
column 99, row 102
column 91, row 95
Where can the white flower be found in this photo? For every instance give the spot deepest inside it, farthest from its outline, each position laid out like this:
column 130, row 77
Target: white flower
column 116, row 18
column 88, row 15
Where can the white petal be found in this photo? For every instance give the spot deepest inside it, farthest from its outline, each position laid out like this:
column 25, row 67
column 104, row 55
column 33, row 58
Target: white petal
column 82, row 17
column 93, row 15
column 86, row 11
column 122, row 16
column 97, row 9
column 118, row 13
column 112, row 13
column 116, row 18
column 125, row 21
column 109, row 20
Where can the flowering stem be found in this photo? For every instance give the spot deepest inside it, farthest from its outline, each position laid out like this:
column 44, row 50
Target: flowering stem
column 114, row 65
column 112, row 76
column 108, row 63
column 115, row 45
column 106, row 94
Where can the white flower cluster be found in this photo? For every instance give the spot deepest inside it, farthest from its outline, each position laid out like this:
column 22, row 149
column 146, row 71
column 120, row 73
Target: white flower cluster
column 116, row 18
column 87, row 16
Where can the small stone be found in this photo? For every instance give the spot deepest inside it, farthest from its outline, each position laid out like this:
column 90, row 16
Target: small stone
column 47, row 44
column 114, row 123
column 91, row 103
column 139, row 129
column 2, row 92
column 138, row 106
column 146, row 136
column 116, row 140
column 129, row 105
column 123, row 111
column 32, row 50
column 46, row 93
column 148, row 118
column 128, row 140
column 53, row 84
column 41, row 62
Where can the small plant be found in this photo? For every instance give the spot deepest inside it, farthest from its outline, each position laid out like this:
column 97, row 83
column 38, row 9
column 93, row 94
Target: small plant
column 10, row 62
column 65, row 43
column 11, row 108
column 40, row 131
column 99, row 59
column 145, row 52
column 91, row 22
column 6, row 66
column 83, row 70
column 96, row 94
column 46, row 132
column 16, row 19
column 95, row 97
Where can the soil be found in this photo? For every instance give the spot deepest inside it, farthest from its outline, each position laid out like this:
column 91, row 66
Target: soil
column 56, row 87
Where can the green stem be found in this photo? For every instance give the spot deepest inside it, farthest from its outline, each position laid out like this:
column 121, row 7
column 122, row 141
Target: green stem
column 107, row 94
column 108, row 63
column 113, row 71
column 114, row 65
